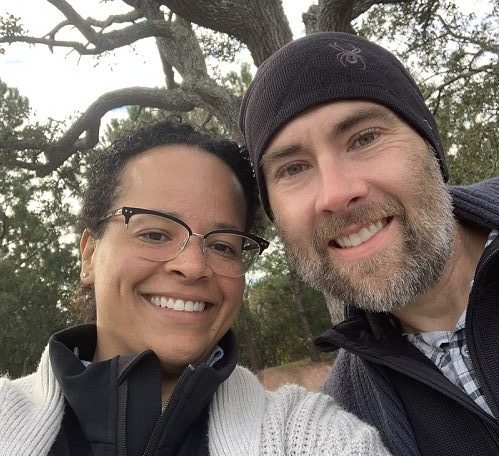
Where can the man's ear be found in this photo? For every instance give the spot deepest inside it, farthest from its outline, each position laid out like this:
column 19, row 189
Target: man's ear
column 87, row 249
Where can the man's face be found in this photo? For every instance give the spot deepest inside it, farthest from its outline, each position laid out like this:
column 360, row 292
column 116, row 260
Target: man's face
column 360, row 204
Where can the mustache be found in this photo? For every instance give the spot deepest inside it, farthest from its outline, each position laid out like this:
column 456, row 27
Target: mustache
column 331, row 227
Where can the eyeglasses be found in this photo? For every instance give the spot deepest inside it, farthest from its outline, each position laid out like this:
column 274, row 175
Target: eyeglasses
column 161, row 237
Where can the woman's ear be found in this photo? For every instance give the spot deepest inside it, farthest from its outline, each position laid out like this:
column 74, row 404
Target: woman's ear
column 87, row 249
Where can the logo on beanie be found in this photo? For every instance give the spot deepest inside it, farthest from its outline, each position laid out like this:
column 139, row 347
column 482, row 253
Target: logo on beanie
column 350, row 56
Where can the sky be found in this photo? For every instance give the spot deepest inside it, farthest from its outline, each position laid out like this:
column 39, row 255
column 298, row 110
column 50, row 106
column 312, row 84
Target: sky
column 61, row 84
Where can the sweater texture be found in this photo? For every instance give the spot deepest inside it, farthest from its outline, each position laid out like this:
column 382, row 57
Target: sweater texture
column 244, row 419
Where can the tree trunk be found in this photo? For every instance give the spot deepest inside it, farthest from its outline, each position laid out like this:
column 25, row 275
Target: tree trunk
column 249, row 339
column 297, row 292
column 335, row 308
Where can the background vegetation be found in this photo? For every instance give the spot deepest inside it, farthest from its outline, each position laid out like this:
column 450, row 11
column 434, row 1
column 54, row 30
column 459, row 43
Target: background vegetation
column 452, row 54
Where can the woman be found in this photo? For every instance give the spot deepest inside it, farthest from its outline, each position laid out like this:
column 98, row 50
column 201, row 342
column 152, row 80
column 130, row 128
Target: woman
column 165, row 246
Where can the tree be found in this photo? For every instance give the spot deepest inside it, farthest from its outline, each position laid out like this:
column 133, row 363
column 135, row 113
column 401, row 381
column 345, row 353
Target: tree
column 454, row 57
column 259, row 25
column 38, row 260
column 272, row 321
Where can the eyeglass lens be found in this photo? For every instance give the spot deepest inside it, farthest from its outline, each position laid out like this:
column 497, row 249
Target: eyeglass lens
column 160, row 239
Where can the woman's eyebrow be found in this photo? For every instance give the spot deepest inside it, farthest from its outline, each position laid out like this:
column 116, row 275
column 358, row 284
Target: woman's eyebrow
column 225, row 226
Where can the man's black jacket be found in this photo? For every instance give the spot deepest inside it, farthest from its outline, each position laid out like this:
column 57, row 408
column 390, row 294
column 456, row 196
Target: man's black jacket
column 387, row 382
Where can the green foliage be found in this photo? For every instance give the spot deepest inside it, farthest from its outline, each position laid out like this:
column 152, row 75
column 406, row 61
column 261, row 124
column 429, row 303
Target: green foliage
column 454, row 58
column 469, row 129
column 10, row 25
column 275, row 325
column 38, row 254
column 238, row 82
column 217, row 45
column 452, row 55
column 13, row 109
column 136, row 116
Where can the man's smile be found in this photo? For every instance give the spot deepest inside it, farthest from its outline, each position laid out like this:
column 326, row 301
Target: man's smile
column 362, row 235
column 363, row 240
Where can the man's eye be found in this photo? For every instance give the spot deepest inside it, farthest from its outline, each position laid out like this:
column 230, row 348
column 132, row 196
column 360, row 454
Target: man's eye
column 365, row 138
column 291, row 170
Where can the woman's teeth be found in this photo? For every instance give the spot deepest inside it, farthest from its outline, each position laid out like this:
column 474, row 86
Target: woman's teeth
column 363, row 235
column 177, row 304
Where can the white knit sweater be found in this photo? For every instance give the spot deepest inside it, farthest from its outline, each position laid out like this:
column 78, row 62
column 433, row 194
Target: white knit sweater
column 244, row 419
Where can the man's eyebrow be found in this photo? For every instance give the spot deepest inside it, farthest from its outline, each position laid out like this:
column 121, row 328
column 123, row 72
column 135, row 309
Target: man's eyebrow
column 363, row 115
column 352, row 120
column 278, row 154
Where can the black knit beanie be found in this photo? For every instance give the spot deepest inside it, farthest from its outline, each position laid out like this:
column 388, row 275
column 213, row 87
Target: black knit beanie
column 322, row 68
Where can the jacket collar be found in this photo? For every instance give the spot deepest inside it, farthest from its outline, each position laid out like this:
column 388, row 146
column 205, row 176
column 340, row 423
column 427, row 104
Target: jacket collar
column 95, row 392
column 477, row 203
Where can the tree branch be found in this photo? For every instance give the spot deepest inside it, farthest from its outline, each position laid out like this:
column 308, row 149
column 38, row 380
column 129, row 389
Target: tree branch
column 361, row 6
column 310, row 19
column 184, row 53
column 337, row 15
column 179, row 49
column 104, row 42
column 88, row 124
column 131, row 16
column 463, row 75
column 169, row 73
column 260, row 24
column 493, row 48
column 75, row 19
column 101, row 42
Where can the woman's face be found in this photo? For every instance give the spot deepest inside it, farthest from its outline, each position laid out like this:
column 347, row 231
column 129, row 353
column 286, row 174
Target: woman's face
column 202, row 191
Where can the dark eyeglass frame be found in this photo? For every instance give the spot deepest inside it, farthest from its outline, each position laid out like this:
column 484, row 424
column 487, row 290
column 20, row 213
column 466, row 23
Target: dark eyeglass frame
column 127, row 212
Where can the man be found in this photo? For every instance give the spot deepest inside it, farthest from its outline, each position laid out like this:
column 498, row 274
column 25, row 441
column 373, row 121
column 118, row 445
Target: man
column 351, row 168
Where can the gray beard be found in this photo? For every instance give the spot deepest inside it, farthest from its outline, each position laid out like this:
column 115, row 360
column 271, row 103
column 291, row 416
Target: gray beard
column 387, row 281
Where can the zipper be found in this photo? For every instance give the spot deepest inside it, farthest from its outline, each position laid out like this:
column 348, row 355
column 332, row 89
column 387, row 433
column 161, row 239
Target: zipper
column 153, row 439
column 489, row 421
column 483, row 264
column 417, row 376
column 123, row 420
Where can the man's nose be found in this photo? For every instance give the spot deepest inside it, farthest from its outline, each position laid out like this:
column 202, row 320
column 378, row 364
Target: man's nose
column 340, row 186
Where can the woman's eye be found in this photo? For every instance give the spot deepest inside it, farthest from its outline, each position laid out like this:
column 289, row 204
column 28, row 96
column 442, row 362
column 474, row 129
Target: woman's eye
column 154, row 237
column 223, row 249
column 365, row 138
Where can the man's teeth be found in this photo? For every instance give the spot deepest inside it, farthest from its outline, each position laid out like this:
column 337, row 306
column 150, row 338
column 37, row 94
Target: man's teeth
column 177, row 304
column 363, row 235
